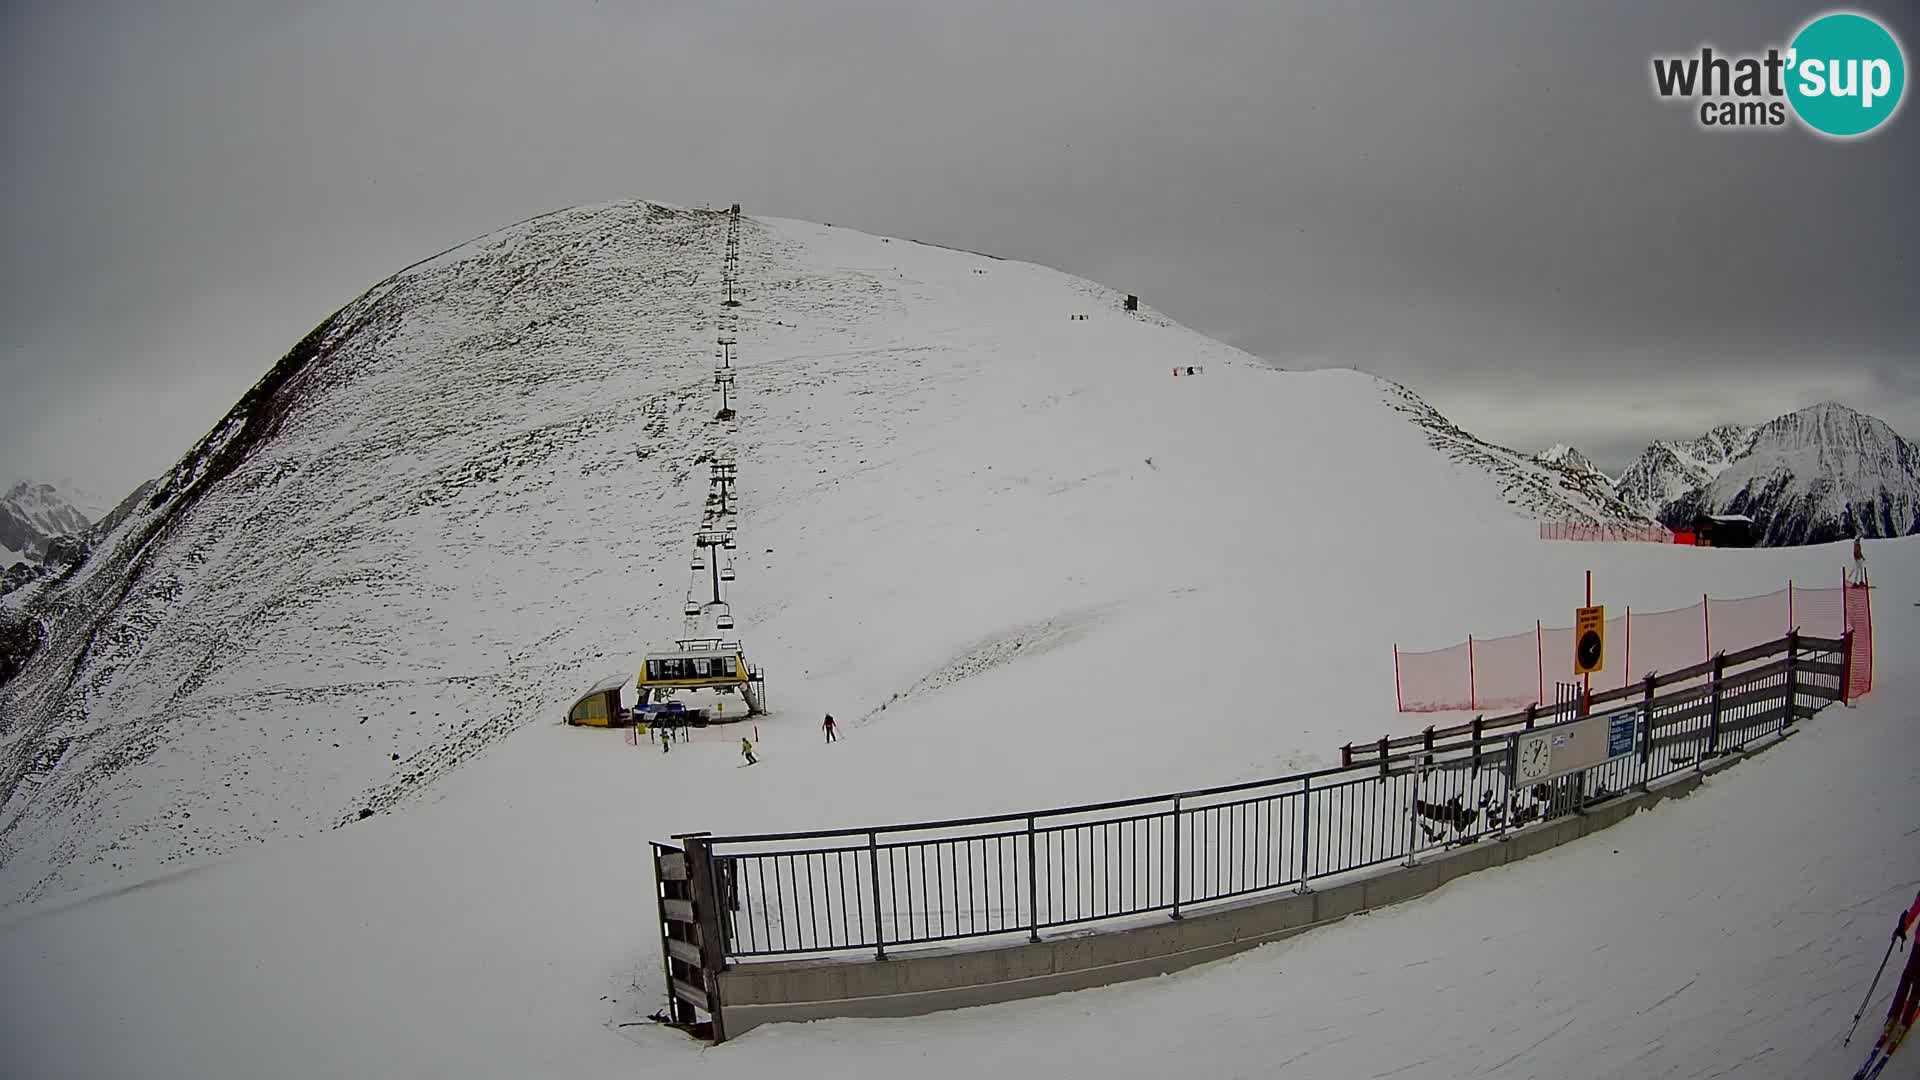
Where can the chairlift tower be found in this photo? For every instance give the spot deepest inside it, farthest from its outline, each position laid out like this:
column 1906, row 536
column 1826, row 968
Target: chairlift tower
column 712, row 539
column 722, row 477
column 723, row 381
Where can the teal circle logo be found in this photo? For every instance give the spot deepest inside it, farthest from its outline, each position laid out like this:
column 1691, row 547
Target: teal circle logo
column 1846, row 74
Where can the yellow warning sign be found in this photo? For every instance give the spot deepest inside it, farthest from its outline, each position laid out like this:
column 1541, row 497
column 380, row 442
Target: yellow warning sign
column 1589, row 640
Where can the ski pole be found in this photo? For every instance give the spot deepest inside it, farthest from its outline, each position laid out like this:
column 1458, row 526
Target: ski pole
column 1870, row 990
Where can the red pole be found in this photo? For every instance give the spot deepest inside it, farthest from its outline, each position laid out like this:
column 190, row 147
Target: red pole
column 1706, row 621
column 1626, row 665
column 1586, row 681
column 1790, row 623
column 1399, row 703
column 1869, row 588
column 1473, row 692
column 1867, row 600
column 1539, row 662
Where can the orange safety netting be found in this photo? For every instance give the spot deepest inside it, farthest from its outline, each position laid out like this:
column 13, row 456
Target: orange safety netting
column 1859, row 615
column 1520, row 669
column 1606, row 532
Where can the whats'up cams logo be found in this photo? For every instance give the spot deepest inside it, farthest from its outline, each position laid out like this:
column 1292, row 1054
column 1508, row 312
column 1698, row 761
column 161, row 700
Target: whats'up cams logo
column 1843, row 75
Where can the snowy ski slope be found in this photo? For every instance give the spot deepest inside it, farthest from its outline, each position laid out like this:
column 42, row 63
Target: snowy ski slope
column 1065, row 574
column 501, row 928
column 472, row 493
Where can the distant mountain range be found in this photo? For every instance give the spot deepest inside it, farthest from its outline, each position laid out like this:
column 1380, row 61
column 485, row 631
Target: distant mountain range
column 1564, row 487
column 1819, row 474
column 32, row 518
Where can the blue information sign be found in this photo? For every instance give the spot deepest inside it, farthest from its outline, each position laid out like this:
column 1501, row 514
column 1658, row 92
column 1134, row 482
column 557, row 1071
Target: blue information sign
column 1620, row 730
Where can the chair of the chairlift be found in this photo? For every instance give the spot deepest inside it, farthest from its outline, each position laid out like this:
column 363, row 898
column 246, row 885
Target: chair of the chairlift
column 724, row 620
column 692, row 608
column 726, row 572
column 699, row 561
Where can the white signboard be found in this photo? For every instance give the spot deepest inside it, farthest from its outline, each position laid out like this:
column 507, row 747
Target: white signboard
column 1549, row 753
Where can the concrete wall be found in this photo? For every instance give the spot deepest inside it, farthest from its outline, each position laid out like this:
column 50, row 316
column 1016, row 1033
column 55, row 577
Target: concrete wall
column 913, row 983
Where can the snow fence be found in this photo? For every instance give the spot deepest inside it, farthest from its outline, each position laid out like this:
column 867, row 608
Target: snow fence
column 1521, row 669
column 1610, row 532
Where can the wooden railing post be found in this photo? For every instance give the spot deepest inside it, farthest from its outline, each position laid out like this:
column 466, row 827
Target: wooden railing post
column 1713, row 715
column 1646, row 734
column 1479, row 726
column 706, row 911
column 1793, row 678
column 1383, row 755
column 1846, row 663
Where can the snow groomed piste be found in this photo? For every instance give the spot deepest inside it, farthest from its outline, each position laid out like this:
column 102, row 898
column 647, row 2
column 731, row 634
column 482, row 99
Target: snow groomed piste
column 725, row 900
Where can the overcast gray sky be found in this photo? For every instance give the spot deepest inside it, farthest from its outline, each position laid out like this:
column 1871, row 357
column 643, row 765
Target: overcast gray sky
column 1479, row 198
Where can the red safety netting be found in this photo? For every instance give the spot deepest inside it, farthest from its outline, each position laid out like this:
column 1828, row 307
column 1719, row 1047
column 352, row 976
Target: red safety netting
column 1607, row 532
column 1859, row 616
column 1665, row 640
column 1436, row 680
column 1506, row 671
column 1820, row 612
column 1520, row 669
column 1556, row 657
column 1741, row 624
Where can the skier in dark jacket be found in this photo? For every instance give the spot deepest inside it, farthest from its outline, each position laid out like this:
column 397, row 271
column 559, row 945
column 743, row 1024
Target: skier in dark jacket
column 827, row 726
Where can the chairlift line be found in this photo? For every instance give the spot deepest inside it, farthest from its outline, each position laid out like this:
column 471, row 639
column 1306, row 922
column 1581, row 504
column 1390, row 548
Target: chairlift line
column 703, row 657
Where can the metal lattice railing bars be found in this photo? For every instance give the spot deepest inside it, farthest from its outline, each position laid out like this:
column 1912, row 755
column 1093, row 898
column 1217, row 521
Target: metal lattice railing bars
column 849, row 890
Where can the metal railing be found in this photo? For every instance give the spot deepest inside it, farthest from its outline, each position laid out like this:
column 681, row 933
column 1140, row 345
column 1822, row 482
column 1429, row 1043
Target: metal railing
column 838, row 890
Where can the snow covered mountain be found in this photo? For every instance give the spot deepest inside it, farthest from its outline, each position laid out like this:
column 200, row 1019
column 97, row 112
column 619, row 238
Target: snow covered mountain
column 1571, row 459
column 42, row 533
column 1670, row 468
column 471, row 493
column 1820, row 474
column 33, row 515
column 1549, row 490
column 1808, row 477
